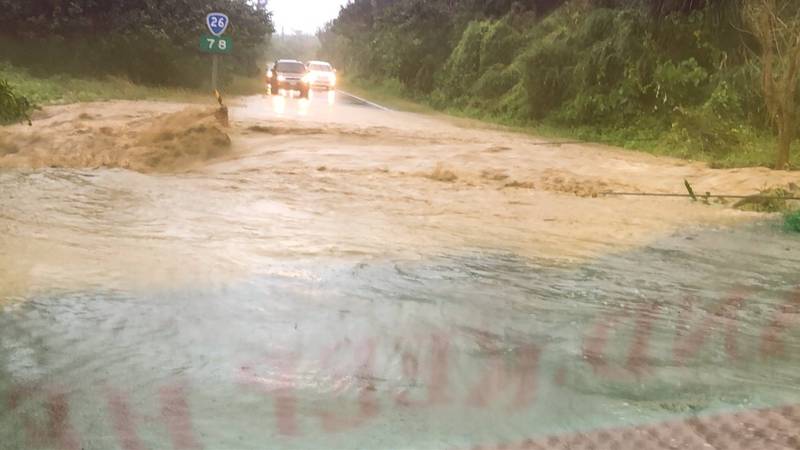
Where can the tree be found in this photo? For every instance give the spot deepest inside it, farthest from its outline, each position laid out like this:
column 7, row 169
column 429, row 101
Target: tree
column 776, row 26
column 147, row 41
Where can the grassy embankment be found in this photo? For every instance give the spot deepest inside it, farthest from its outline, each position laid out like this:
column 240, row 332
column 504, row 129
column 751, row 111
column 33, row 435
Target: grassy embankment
column 682, row 85
column 756, row 152
column 792, row 221
column 752, row 149
column 753, row 152
column 63, row 89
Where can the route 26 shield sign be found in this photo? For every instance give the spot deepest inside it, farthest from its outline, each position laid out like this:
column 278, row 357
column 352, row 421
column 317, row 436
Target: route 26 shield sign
column 217, row 23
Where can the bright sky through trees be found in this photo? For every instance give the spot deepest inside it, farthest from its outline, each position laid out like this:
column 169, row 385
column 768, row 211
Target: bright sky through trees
column 303, row 15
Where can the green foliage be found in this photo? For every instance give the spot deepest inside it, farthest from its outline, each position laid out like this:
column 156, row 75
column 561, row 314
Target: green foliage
column 62, row 88
column 698, row 130
column 13, row 106
column 462, row 68
column 670, row 77
column 499, row 45
column 547, row 75
column 152, row 43
column 792, row 221
column 679, row 84
column 480, row 63
column 496, row 81
column 776, row 199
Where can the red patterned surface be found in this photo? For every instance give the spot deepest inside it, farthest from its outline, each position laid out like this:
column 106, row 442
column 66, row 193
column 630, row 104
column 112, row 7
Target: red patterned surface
column 765, row 429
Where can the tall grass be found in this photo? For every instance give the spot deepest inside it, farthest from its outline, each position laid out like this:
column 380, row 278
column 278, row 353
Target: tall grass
column 792, row 221
column 13, row 106
column 60, row 88
column 680, row 85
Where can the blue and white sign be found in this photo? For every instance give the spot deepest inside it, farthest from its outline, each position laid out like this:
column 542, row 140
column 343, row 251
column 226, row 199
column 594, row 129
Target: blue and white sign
column 217, row 23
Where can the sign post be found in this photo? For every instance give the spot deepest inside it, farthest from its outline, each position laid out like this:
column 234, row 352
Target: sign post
column 214, row 71
column 215, row 44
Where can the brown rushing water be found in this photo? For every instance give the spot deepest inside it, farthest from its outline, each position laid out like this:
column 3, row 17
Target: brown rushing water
column 344, row 277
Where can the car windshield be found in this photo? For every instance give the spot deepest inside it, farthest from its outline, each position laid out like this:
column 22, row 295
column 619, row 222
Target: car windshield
column 290, row 67
column 318, row 67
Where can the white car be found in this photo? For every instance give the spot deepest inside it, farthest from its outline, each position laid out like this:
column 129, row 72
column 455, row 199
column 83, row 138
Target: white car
column 321, row 74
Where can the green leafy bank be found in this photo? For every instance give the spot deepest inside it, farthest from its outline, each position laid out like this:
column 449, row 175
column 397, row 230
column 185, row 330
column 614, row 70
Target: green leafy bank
column 675, row 78
column 13, row 106
column 84, row 50
column 792, row 221
column 152, row 43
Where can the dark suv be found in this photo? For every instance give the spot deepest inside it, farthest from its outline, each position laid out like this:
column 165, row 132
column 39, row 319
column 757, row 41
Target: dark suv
column 289, row 75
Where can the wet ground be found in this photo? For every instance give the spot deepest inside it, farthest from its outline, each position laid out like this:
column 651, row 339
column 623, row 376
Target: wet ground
column 324, row 286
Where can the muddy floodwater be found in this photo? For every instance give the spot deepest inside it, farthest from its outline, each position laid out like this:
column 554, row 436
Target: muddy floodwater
column 326, row 274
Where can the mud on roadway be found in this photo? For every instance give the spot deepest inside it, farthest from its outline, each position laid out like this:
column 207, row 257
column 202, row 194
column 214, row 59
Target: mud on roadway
column 416, row 184
column 325, row 274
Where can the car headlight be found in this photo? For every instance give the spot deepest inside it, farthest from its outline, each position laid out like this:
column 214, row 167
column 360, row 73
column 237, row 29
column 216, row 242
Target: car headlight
column 333, row 79
column 309, row 78
column 281, row 78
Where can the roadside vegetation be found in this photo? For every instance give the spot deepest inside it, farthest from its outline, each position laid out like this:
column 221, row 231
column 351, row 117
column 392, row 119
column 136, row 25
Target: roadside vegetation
column 86, row 50
column 61, row 88
column 792, row 221
column 704, row 80
column 13, row 105
column 148, row 43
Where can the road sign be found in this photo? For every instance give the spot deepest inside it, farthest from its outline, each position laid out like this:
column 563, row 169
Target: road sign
column 217, row 23
column 214, row 44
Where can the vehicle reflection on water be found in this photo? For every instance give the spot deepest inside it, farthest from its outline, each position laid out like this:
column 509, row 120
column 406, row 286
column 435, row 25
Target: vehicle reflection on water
column 300, row 106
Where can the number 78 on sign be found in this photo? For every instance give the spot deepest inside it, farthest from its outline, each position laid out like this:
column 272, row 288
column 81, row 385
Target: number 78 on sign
column 217, row 23
column 214, row 44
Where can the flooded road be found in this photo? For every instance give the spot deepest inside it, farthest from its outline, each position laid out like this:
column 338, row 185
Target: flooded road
column 343, row 276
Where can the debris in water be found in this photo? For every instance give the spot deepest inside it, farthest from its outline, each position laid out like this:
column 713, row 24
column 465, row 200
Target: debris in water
column 494, row 174
column 442, row 174
column 521, row 185
column 774, row 199
column 690, row 190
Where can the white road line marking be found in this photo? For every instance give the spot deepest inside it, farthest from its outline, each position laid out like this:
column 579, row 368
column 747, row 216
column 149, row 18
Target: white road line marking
column 375, row 105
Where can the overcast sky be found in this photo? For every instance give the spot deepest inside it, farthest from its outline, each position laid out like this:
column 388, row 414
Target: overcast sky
column 303, row 15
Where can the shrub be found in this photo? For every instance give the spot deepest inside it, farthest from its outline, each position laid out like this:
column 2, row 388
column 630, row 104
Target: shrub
column 13, row 107
column 462, row 68
column 792, row 221
column 699, row 130
column 679, row 84
column 144, row 41
column 547, row 76
column 153, row 61
column 776, row 199
column 500, row 45
column 496, row 81
column 675, row 81
column 514, row 104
